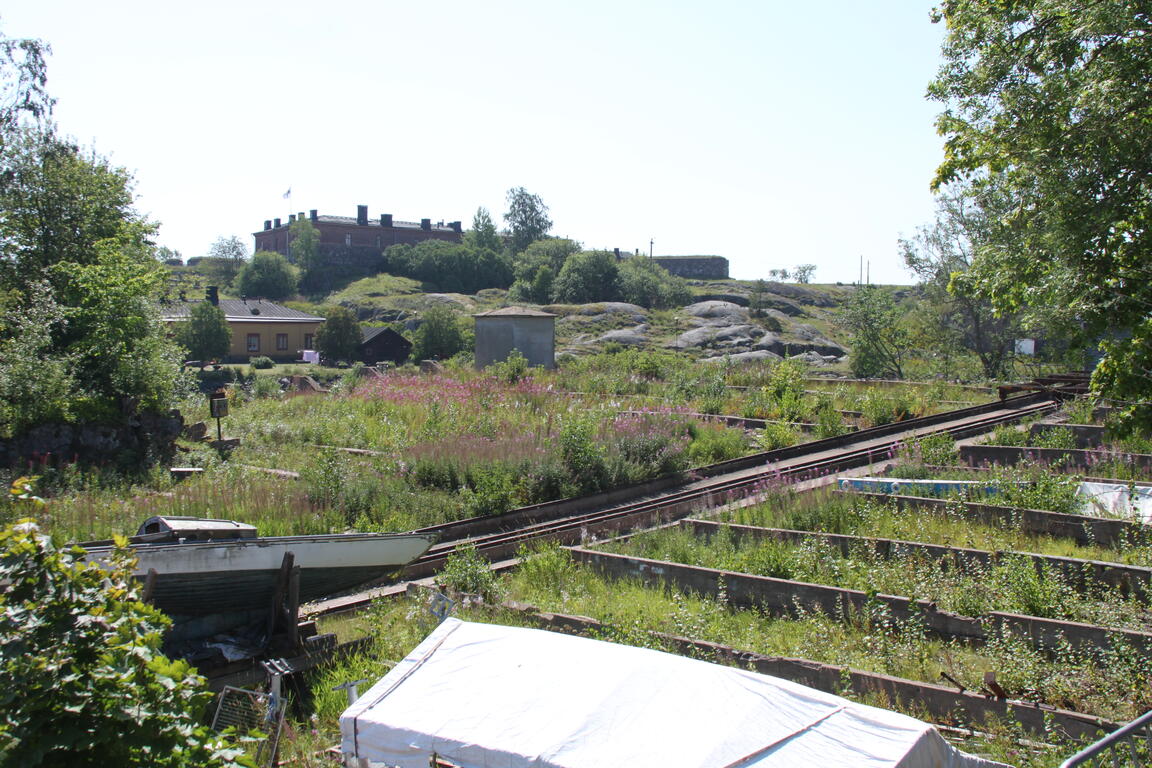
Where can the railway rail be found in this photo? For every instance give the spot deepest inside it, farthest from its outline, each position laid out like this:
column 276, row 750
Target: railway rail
column 572, row 521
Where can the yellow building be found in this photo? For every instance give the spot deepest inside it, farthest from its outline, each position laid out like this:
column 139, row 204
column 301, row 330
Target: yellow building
column 259, row 327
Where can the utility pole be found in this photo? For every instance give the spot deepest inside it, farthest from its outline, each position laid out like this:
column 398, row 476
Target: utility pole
column 651, row 245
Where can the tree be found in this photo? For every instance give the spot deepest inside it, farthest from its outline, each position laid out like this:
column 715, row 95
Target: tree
column 205, row 334
column 483, row 234
column 536, row 268
column 439, row 336
column 59, row 203
column 941, row 257
column 23, row 77
column 778, row 274
column 527, row 218
column 166, row 255
column 588, row 276
column 339, row 336
column 1050, row 102
column 304, row 245
column 450, row 267
column 642, row 281
column 803, row 272
column 70, row 227
column 230, row 248
column 85, row 683
column 879, row 342
column 268, row 274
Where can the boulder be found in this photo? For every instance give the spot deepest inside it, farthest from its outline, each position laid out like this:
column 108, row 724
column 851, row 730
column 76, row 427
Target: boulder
column 717, row 312
column 631, row 337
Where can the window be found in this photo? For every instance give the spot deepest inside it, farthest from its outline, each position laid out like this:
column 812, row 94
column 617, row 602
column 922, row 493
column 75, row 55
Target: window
column 308, row 341
column 281, row 342
column 347, row 239
column 253, row 342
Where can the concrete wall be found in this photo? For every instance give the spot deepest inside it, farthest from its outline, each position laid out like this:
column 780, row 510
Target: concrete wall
column 497, row 336
column 785, row 597
column 699, row 267
column 1085, row 575
column 1082, row 529
column 1010, row 455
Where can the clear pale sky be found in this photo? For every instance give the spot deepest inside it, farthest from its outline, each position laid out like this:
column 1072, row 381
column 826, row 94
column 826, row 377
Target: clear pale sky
column 771, row 133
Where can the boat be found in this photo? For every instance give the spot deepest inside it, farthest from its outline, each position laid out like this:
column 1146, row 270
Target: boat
column 201, row 567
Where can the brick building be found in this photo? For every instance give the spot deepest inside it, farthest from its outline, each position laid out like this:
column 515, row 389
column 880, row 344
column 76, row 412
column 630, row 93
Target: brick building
column 356, row 236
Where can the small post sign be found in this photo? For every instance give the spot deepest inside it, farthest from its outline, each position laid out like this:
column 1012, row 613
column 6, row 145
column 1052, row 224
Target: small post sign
column 218, row 407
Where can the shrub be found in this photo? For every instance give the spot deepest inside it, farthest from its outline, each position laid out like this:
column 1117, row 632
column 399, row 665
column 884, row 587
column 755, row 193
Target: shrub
column 261, row 362
column 84, row 681
column 467, row 572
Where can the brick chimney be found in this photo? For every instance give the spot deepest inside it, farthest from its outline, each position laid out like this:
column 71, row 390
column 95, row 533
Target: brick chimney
column 457, row 227
column 267, row 224
column 313, row 215
column 362, row 215
column 277, row 222
column 426, row 224
column 386, row 220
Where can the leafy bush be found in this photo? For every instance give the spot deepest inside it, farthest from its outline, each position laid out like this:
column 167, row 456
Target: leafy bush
column 467, row 572
column 85, row 683
column 511, row 369
column 262, row 362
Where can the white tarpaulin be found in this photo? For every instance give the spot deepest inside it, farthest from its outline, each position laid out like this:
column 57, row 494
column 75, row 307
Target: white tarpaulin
column 1117, row 500
column 489, row 696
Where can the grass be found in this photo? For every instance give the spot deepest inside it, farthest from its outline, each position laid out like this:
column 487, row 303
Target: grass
column 965, row 587
column 1109, row 685
column 832, row 512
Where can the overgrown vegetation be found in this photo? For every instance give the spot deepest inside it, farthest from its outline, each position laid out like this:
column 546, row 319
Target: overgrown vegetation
column 85, row 682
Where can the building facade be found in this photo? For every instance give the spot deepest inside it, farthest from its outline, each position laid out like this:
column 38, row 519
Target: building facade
column 530, row 331
column 356, row 235
column 259, row 328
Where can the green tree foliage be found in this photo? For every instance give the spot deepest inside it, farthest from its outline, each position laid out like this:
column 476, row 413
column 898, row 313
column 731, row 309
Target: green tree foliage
column 802, row 273
column 304, row 249
column 644, row 282
column 588, row 276
column 526, row 217
column 85, row 683
column 23, row 80
column 450, row 267
column 440, row 335
column 75, row 249
column 36, row 380
column 205, row 334
column 483, row 235
column 59, row 203
column 536, row 268
column 880, row 343
column 268, row 275
column 1051, row 102
column 957, row 317
column 339, row 335
column 230, row 248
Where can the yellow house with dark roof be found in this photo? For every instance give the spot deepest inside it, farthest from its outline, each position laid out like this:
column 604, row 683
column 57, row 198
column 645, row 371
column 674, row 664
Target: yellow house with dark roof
column 259, row 327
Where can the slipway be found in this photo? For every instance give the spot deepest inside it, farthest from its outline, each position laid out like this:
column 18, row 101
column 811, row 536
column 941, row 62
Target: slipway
column 488, row 696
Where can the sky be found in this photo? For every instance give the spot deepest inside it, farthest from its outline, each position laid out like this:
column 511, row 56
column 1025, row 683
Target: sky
column 771, row 133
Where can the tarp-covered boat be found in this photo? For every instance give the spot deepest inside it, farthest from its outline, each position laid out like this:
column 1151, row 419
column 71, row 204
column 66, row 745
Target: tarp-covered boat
column 484, row 695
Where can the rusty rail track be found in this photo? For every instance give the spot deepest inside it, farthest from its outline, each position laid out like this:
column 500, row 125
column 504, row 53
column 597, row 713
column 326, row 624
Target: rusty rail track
column 572, row 521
